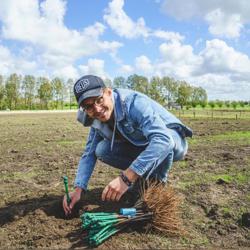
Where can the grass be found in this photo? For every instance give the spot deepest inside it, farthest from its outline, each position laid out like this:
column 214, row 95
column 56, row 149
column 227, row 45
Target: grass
column 191, row 179
column 233, row 135
column 68, row 142
column 24, row 175
column 181, row 164
column 242, row 137
column 50, row 145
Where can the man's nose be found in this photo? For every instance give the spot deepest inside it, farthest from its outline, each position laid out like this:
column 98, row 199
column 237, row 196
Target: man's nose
column 97, row 108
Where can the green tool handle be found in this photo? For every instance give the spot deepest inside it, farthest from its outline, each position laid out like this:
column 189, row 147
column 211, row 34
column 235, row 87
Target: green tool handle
column 65, row 181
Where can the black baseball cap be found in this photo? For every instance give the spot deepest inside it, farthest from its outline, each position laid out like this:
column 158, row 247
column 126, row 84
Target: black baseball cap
column 88, row 86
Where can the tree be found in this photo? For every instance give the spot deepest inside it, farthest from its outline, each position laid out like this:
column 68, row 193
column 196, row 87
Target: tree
column 154, row 90
column 107, row 82
column 119, row 82
column 211, row 104
column 242, row 104
column 219, row 103
column 29, row 83
column 58, row 91
column 70, row 84
column 203, row 104
column 169, row 89
column 198, row 96
column 184, row 93
column 228, row 104
column 234, row 104
column 2, row 92
column 12, row 90
column 138, row 83
column 45, row 92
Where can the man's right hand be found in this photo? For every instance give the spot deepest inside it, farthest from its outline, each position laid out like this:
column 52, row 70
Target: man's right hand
column 74, row 197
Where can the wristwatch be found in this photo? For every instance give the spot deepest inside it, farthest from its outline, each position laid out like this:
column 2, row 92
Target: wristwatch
column 125, row 179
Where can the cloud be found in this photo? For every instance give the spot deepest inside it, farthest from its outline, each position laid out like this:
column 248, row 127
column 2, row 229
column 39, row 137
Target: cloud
column 121, row 23
column 126, row 69
column 42, row 27
column 168, row 36
column 94, row 67
column 222, row 87
column 10, row 63
column 142, row 63
column 221, row 24
column 225, row 18
column 125, row 27
column 66, row 72
column 177, row 60
column 219, row 58
column 219, row 68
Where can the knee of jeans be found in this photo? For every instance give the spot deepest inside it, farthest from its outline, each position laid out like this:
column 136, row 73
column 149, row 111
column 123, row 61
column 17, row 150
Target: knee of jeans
column 101, row 150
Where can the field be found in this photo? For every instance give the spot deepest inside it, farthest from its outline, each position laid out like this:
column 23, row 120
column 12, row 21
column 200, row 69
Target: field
column 37, row 149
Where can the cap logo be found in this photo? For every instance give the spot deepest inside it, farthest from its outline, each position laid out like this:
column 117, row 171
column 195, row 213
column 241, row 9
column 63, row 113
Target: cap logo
column 81, row 85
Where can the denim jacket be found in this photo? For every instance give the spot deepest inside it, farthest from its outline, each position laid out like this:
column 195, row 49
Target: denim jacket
column 143, row 122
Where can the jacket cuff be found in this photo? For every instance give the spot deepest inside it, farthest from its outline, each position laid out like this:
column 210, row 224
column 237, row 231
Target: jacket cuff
column 81, row 185
column 138, row 168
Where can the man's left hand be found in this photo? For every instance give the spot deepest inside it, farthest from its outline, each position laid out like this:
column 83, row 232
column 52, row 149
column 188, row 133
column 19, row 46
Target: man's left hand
column 114, row 190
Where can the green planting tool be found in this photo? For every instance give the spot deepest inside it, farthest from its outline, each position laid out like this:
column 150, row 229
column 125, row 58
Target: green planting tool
column 65, row 181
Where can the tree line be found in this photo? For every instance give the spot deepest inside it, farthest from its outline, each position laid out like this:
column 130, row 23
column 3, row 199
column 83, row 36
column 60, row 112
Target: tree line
column 27, row 92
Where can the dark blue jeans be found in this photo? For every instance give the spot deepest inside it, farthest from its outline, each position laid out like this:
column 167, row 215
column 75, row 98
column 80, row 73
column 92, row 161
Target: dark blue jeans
column 124, row 153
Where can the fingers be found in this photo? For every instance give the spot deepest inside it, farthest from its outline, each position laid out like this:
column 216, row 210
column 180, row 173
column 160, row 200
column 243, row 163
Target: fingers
column 110, row 194
column 72, row 203
column 118, row 197
column 104, row 193
column 66, row 207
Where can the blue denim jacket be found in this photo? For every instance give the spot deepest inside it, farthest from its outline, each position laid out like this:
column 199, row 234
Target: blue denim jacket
column 140, row 120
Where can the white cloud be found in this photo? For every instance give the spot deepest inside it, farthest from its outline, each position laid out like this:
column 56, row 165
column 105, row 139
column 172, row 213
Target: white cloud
column 121, row 23
column 54, row 10
column 225, row 18
column 124, row 26
column 66, row 72
column 43, row 28
column 220, row 69
column 168, row 36
column 94, row 67
column 218, row 57
column 126, row 69
column 177, row 60
column 222, row 24
column 222, row 87
column 10, row 63
column 142, row 63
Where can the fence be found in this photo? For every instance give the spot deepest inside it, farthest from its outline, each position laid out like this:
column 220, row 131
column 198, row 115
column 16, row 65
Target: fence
column 213, row 114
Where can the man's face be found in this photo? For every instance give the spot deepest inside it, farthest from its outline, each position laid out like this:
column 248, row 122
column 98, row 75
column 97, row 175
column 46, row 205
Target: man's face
column 100, row 108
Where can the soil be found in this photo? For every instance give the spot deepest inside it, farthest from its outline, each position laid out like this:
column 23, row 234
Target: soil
column 38, row 149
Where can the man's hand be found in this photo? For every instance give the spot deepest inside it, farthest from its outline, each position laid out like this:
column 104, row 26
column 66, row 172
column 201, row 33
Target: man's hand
column 114, row 190
column 74, row 197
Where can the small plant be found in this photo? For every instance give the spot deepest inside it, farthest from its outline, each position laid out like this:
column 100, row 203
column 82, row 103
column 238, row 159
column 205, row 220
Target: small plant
column 157, row 207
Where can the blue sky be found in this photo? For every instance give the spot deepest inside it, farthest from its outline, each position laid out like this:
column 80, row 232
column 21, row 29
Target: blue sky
column 206, row 43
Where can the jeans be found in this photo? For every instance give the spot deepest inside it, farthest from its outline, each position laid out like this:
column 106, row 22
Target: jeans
column 124, row 153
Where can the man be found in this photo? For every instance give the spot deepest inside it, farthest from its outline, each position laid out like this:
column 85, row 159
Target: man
column 128, row 131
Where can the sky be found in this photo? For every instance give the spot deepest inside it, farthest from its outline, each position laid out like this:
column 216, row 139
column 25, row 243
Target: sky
column 203, row 42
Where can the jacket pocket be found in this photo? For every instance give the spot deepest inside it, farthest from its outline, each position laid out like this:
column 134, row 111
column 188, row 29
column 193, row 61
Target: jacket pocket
column 128, row 128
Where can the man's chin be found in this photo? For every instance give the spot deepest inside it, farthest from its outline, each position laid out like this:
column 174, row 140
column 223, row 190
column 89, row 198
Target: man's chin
column 104, row 118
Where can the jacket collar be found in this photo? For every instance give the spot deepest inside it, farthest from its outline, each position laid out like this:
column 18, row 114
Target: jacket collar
column 119, row 106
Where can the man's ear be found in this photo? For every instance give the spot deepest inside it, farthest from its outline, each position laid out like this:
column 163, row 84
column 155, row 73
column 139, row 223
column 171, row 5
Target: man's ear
column 109, row 91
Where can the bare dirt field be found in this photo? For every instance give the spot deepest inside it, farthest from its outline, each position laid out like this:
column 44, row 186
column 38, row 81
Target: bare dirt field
column 36, row 150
